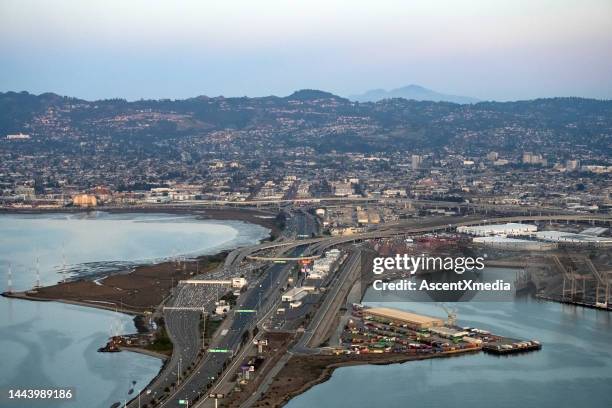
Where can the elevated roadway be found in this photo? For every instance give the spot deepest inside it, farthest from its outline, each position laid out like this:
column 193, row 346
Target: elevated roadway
column 261, row 297
column 183, row 324
column 281, row 258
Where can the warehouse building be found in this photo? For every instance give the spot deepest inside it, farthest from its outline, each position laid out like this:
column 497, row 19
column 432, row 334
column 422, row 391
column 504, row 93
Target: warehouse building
column 399, row 317
column 295, row 294
column 573, row 239
column 449, row 333
column 501, row 230
column 322, row 266
column 514, row 244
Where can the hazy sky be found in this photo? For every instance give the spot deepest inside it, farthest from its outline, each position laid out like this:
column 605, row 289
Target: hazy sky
column 504, row 50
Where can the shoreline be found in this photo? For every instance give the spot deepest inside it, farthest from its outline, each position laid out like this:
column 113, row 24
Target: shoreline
column 68, row 292
column 143, row 288
column 190, row 267
column 314, row 374
column 149, row 353
column 93, row 305
column 306, row 366
column 325, row 371
column 248, row 215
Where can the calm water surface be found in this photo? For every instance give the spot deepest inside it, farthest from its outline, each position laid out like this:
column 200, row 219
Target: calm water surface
column 45, row 344
column 574, row 368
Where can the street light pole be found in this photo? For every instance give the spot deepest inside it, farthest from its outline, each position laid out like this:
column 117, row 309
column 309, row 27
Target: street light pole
column 178, row 373
column 203, row 329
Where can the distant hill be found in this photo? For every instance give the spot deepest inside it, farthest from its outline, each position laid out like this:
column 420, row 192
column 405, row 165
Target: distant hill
column 415, row 92
column 311, row 94
column 305, row 119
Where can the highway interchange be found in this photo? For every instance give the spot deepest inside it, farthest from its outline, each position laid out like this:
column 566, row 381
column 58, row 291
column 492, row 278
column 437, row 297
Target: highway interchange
column 183, row 326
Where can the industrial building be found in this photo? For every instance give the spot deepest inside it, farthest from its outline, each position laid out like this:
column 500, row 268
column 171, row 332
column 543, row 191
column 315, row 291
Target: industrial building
column 322, row 266
column 449, row 333
column 502, row 230
column 295, row 305
column 84, row 200
column 222, row 307
column 514, row 244
column 239, row 283
column 574, row 239
column 595, row 231
column 18, row 136
column 295, row 294
column 400, row 317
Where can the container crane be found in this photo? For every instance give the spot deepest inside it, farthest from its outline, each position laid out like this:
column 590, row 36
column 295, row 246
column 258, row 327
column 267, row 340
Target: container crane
column 451, row 314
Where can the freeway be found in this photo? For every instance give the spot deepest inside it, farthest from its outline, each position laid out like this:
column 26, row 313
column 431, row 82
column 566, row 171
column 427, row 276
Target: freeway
column 434, row 224
column 443, row 224
column 183, row 326
column 301, row 225
column 284, row 258
column 261, row 297
column 331, row 201
column 340, row 286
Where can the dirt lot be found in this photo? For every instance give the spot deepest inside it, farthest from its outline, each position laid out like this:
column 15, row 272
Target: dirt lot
column 142, row 289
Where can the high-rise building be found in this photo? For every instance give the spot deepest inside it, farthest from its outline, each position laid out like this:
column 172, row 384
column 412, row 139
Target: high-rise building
column 417, row 161
column 533, row 158
column 342, row 189
column 572, row 165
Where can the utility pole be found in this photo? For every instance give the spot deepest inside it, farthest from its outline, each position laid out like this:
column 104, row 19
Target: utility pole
column 259, row 300
column 64, row 262
column 37, row 273
column 10, row 279
column 203, row 328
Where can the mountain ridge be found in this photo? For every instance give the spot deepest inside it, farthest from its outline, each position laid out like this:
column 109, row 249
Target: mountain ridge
column 302, row 94
column 307, row 119
column 411, row 92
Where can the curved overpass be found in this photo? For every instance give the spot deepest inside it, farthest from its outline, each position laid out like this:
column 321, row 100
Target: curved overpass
column 397, row 229
column 275, row 258
column 402, row 228
column 182, row 325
